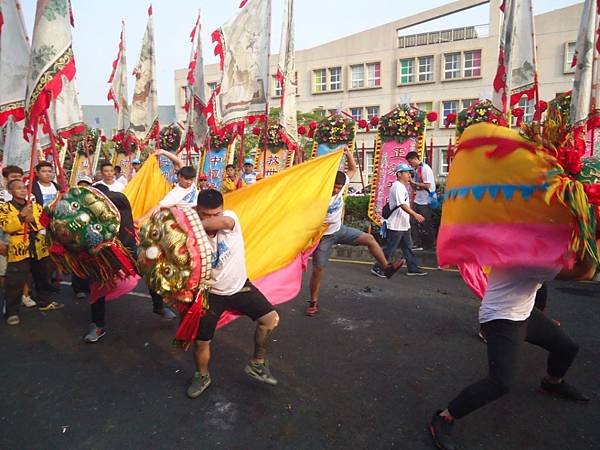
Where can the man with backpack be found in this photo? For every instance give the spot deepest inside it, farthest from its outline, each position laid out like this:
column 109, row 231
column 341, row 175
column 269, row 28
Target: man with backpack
column 397, row 215
column 424, row 186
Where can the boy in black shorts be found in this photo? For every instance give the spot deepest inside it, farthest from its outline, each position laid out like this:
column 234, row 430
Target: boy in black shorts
column 230, row 290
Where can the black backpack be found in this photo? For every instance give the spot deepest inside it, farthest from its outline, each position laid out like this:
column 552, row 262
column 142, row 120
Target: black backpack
column 386, row 211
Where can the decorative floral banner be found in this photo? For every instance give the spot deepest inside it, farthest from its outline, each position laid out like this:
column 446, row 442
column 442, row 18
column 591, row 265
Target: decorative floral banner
column 277, row 160
column 123, row 161
column 214, row 164
column 82, row 166
column 387, row 157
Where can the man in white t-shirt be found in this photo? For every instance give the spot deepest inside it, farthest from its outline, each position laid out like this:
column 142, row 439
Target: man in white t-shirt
column 508, row 318
column 120, row 177
column 338, row 233
column 230, row 290
column 424, row 185
column 44, row 189
column 398, row 224
column 107, row 171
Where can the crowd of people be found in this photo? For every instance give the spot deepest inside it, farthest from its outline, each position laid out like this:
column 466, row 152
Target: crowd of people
column 507, row 313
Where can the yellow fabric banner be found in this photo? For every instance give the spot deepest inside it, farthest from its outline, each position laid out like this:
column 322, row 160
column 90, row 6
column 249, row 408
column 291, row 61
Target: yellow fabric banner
column 146, row 188
column 281, row 215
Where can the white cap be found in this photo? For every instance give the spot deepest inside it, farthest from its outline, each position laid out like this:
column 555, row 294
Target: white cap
column 85, row 178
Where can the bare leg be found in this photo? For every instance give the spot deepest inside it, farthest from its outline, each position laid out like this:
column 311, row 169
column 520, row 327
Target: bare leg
column 202, row 356
column 264, row 327
column 369, row 241
column 315, row 283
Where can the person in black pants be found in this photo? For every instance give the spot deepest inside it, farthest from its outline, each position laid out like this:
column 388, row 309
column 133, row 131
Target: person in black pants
column 127, row 237
column 508, row 318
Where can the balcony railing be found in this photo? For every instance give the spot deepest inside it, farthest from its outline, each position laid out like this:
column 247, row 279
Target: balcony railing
column 442, row 36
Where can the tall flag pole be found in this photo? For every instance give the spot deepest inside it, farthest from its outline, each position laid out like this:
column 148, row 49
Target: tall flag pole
column 286, row 75
column 196, row 126
column 516, row 75
column 14, row 65
column 117, row 92
column 584, row 99
column 242, row 45
column 144, row 105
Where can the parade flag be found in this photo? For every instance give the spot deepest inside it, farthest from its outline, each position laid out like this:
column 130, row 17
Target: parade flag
column 516, row 75
column 64, row 113
column 17, row 151
column 14, row 61
column 242, row 45
column 144, row 105
column 51, row 62
column 585, row 87
column 196, row 126
column 118, row 84
column 286, row 75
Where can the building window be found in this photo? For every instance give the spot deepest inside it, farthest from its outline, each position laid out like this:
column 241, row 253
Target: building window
column 356, row 113
column 569, row 53
column 373, row 75
column 427, row 107
column 449, row 106
column 320, row 80
column 407, row 71
column 466, row 103
column 372, row 111
column 451, row 66
column 472, row 64
column 335, row 79
column 528, row 107
column 212, row 86
column 425, row 68
column 358, row 76
column 442, row 153
column 277, row 91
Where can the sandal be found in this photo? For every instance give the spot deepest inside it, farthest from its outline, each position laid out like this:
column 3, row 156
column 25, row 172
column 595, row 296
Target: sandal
column 313, row 308
column 52, row 306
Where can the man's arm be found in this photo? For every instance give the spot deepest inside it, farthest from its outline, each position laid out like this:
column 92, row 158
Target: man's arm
column 425, row 183
column 172, row 157
column 418, row 217
column 582, row 270
column 351, row 163
column 214, row 224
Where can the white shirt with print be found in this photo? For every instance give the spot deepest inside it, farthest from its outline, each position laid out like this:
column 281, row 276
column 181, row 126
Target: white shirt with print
column 228, row 269
column 115, row 187
column 510, row 293
column 399, row 220
column 48, row 193
column 335, row 210
column 179, row 196
column 249, row 178
column 422, row 195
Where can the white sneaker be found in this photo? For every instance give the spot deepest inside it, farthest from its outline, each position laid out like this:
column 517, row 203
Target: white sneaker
column 27, row 301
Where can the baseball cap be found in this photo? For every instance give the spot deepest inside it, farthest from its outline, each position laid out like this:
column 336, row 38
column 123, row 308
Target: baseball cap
column 86, row 179
column 403, row 167
column 136, row 161
column 248, row 161
column 202, row 178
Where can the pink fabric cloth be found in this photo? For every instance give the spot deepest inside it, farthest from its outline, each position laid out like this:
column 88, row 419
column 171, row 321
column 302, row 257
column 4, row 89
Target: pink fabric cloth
column 475, row 279
column 123, row 287
column 504, row 245
column 280, row 286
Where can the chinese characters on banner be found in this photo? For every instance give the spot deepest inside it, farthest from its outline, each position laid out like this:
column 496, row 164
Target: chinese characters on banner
column 276, row 161
column 214, row 166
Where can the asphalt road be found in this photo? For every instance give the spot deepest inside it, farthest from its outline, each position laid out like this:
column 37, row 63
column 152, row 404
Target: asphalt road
column 366, row 373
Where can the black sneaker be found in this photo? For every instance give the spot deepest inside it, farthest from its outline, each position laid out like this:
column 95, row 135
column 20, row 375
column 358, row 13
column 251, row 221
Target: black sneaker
column 441, row 432
column 417, row 273
column 260, row 372
column 564, row 390
column 377, row 272
column 392, row 268
column 198, row 385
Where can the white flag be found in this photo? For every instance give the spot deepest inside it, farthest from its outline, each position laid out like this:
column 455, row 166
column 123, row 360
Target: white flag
column 118, row 84
column 17, row 151
column 286, row 74
column 585, row 94
column 14, row 61
column 517, row 72
column 243, row 44
column 144, row 105
column 196, row 127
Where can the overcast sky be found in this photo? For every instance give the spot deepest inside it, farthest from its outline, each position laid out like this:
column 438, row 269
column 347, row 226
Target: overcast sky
column 97, row 27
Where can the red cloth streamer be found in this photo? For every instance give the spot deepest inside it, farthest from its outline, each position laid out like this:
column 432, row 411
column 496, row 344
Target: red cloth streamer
column 150, row 10
column 243, row 3
column 502, row 146
column 216, row 38
column 188, row 327
column 500, row 78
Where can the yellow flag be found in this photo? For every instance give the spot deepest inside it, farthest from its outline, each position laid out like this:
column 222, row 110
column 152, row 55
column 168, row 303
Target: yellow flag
column 281, row 214
column 147, row 188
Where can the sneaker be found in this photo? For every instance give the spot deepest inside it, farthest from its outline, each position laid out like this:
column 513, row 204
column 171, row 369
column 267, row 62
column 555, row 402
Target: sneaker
column 81, row 295
column 198, row 385
column 564, row 390
column 52, row 306
column 166, row 313
column 377, row 272
column 441, row 432
column 392, row 268
column 13, row 320
column 417, row 249
column 261, row 372
column 417, row 273
column 27, row 301
column 94, row 334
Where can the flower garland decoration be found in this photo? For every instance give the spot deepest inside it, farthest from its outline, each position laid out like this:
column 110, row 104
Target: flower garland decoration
column 170, row 137
column 335, row 129
column 560, row 104
column 275, row 135
column 220, row 138
column 481, row 112
column 402, row 123
column 86, row 144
